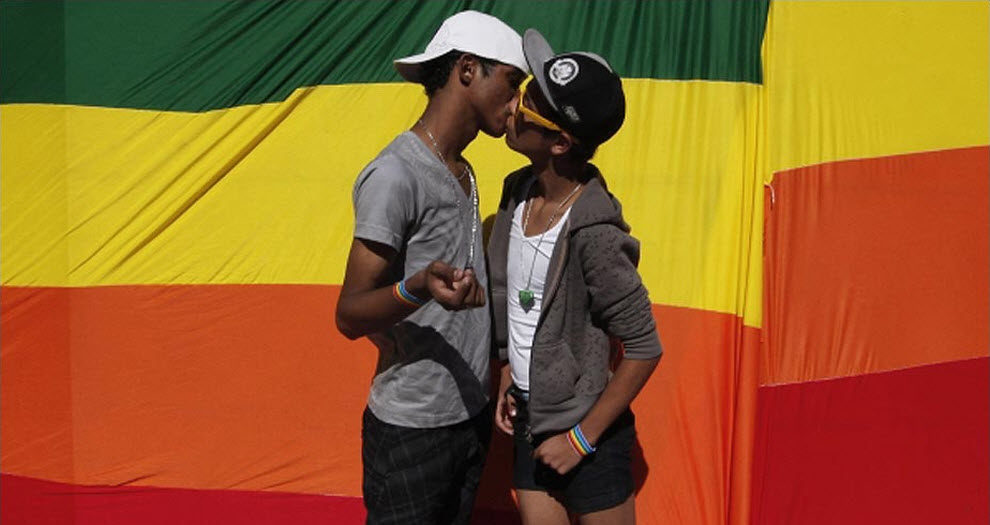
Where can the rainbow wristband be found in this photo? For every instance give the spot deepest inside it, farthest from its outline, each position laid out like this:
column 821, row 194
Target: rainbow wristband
column 579, row 442
column 403, row 295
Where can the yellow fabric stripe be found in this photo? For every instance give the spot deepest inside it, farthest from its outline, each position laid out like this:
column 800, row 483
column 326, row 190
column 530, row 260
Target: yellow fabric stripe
column 684, row 167
column 34, row 214
column 261, row 194
column 255, row 194
column 853, row 79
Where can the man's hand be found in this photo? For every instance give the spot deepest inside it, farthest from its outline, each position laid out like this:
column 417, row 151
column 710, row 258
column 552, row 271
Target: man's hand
column 558, row 454
column 367, row 304
column 505, row 409
column 454, row 288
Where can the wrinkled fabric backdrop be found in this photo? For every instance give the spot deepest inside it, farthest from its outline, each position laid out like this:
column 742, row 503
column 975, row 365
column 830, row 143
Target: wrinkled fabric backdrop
column 809, row 181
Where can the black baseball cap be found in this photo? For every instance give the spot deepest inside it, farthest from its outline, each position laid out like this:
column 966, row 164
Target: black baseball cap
column 582, row 88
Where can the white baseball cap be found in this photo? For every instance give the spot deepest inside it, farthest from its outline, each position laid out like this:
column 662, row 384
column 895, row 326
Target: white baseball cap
column 469, row 32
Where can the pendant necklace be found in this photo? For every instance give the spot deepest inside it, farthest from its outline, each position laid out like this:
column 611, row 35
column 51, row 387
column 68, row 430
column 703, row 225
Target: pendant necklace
column 526, row 296
column 473, row 197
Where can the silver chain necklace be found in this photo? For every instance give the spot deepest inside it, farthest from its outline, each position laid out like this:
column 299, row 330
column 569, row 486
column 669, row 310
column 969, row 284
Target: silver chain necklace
column 436, row 148
column 473, row 197
column 474, row 217
column 526, row 296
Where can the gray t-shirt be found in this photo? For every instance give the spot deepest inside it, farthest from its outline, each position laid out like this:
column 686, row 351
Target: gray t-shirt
column 433, row 366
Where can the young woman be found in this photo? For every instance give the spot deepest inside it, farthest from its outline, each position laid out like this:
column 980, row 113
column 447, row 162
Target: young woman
column 564, row 288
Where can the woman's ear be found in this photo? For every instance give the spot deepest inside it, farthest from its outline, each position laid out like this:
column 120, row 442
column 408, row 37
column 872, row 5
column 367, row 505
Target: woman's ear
column 562, row 143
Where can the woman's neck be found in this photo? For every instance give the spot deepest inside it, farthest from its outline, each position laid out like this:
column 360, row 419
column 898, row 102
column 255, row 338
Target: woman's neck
column 558, row 179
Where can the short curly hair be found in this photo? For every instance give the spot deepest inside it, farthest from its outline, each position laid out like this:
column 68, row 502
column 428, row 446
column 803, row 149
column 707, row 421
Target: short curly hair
column 436, row 72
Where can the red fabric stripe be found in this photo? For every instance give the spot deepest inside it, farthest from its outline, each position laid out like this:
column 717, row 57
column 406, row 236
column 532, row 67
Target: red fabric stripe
column 34, row 501
column 905, row 447
column 39, row 502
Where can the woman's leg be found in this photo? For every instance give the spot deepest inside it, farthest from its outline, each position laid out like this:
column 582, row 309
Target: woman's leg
column 538, row 508
column 622, row 514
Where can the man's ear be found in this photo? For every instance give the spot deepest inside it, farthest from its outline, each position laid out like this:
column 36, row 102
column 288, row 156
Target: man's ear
column 466, row 67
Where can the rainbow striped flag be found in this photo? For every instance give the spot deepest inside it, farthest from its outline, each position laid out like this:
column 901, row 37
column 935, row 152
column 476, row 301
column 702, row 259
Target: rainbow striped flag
column 808, row 180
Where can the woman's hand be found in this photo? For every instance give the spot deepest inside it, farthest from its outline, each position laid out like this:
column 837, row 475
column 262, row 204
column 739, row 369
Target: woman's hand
column 505, row 409
column 558, row 454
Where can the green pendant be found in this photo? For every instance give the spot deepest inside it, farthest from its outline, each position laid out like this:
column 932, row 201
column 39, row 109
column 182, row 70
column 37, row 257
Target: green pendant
column 526, row 299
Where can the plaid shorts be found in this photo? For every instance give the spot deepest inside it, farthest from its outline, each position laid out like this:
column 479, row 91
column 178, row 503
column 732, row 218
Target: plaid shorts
column 422, row 475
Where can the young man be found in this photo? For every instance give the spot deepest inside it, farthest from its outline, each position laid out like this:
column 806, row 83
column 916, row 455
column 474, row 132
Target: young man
column 564, row 283
column 414, row 283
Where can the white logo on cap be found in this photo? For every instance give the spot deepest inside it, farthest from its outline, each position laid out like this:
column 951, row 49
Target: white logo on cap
column 563, row 71
column 572, row 114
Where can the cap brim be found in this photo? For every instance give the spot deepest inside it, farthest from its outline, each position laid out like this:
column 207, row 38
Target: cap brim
column 537, row 51
column 410, row 68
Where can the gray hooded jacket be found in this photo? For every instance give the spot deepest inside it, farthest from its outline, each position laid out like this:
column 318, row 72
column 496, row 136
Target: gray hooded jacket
column 593, row 292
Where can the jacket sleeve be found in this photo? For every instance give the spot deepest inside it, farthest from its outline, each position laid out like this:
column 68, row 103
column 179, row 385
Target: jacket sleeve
column 619, row 301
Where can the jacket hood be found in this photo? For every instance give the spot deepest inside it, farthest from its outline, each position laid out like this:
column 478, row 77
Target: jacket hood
column 598, row 206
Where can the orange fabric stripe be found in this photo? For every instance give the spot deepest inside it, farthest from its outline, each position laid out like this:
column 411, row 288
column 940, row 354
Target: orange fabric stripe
column 876, row 264
column 36, row 390
column 695, row 420
column 231, row 387
column 250, row 387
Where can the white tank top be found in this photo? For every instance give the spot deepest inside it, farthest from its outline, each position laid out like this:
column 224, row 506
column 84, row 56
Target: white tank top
column 523, row 255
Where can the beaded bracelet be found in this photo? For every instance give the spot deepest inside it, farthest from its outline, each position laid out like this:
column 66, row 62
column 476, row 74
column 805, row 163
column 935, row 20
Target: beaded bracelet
column 579, row 442
column 404, row 296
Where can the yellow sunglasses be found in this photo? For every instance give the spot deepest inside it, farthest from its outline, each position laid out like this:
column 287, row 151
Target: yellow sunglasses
column 536, row 117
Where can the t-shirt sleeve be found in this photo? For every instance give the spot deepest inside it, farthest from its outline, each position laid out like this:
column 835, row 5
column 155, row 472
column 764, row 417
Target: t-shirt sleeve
column 384, row 203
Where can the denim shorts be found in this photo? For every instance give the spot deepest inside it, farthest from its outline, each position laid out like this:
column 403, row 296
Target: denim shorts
column 601, row 480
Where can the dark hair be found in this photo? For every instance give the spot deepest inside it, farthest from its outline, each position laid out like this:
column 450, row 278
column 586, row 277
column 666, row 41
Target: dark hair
column 579, row 151
column 582, row 151
column 436, row 72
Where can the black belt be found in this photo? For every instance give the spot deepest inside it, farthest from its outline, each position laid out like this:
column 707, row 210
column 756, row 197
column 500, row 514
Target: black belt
column 518, row 393
column 522, row 409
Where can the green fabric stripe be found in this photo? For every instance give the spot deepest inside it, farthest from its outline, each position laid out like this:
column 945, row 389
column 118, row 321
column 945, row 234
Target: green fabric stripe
column 197, row 56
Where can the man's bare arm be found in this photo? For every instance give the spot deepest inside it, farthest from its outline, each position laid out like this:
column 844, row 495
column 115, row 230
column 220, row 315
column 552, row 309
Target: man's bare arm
column 367, row 304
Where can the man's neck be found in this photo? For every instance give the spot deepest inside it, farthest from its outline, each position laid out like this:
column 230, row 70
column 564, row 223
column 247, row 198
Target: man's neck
column 448, row 124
